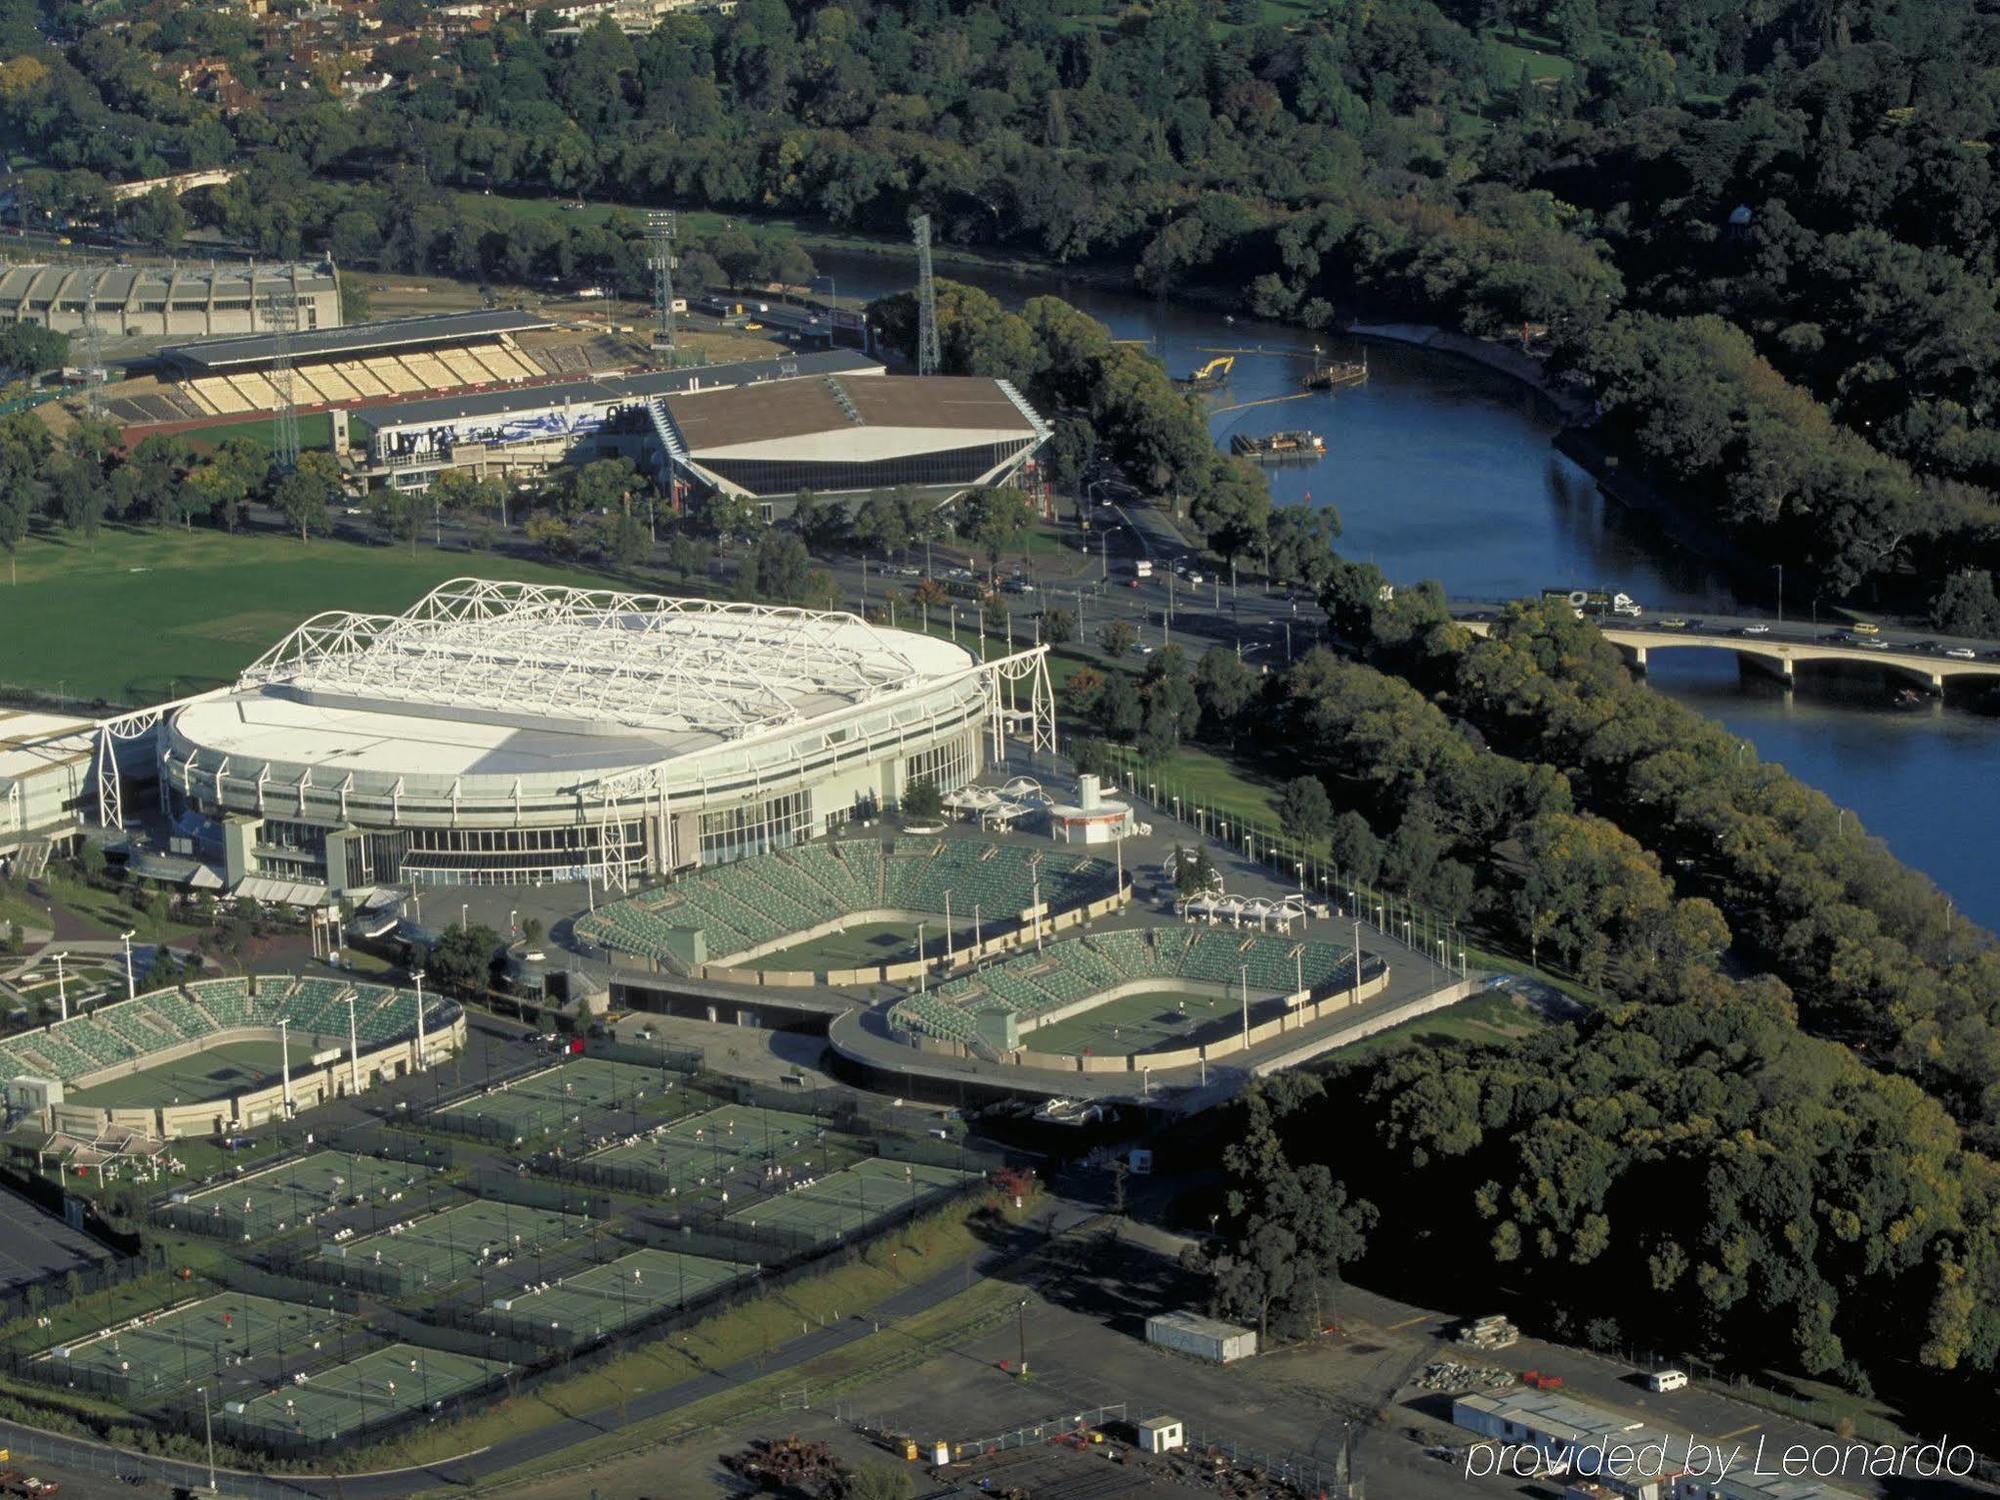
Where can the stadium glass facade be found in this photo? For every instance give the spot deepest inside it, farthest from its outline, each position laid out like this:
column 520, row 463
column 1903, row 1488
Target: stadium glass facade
column 951, row 466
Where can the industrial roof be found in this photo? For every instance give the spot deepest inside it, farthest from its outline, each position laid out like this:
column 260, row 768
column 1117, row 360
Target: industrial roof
column 899, row 412
column 354, row 338
column 439, row 410
column 32, row 742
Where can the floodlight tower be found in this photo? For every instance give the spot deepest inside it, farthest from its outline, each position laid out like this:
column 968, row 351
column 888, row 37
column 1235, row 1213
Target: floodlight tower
column 660, row 230
column 929, row 359
column 281, row 313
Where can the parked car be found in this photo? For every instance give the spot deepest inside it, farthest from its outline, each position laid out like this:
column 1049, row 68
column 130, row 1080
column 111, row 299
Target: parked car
column 1963, row 653
column 1759, row 629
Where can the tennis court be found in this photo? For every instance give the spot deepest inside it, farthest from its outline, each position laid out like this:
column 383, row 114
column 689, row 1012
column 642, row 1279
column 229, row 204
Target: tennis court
column 552, row 1101
column 375, row 1388
column 212, row 1073
column 620, row 1292
column 863, row 945
column 435, row 1250
column 710, row 1144
column 851, row 1199
column 294, row 1192
column 1157, row 1021
column 165, row 1350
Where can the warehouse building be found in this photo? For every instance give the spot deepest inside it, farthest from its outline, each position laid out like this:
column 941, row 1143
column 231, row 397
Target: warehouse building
column 48, row 779
column 168, row 301
column 529, row 430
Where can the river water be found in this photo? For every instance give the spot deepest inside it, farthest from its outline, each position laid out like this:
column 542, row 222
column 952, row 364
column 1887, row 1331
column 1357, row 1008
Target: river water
column 1443, row 469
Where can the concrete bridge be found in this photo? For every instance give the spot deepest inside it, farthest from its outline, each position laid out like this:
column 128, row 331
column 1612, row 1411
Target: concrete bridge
column 1782, row 649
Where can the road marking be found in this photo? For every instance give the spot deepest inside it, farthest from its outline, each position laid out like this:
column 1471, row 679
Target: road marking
column 1419, row 1318
column 1739, row 1432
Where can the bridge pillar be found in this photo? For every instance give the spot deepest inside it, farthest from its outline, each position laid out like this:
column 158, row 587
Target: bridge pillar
column 1937, row 683
column 1639, row 657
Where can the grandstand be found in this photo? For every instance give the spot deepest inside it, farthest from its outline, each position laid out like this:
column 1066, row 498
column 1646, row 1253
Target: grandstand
column 1033, row 987
column 754, row 905
column 392, row 360
column 155, row 1035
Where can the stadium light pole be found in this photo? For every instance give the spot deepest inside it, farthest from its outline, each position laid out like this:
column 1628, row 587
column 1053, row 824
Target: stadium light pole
column 285, row 1057
column 1244, row 970
column 423, row 1052
column 62, row 986
column 949, row 956
column 131, row 984
column 208, row 1427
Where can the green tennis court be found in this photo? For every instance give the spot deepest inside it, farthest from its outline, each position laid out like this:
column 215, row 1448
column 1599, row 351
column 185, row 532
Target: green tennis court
column 565, row 1097
column 619, row 1292
column 863, row 945
column 435, row 1250
column 1157, row 1021
column 212, row 1073
column 295, row 1192
column 851, row 1199
column 710, row 1144
column 378, row 1387
column 166, row 1350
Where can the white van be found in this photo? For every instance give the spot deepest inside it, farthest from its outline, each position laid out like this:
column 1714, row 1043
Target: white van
column 1667, row 1380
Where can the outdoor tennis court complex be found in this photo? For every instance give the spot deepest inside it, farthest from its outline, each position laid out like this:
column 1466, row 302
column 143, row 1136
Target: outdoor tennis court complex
column 703, row 1149
column 159, row 1353
column 844, row 1202
column 567, row 1103
column 299, row 1191
column 436, row 1250
column 619, row 1293
column 348, row 1398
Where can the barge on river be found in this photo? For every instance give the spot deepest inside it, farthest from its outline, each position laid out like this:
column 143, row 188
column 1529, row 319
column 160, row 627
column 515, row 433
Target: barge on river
column 1279, row 447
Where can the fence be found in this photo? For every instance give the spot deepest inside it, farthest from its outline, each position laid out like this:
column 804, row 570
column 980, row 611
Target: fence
column 60, row 1288
column 29, row 1447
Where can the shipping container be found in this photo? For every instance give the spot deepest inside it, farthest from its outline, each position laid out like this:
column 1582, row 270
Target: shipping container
column 1205, row 1338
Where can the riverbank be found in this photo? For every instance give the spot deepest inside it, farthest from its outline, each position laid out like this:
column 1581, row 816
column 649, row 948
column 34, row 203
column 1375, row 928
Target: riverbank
column 1514, row 363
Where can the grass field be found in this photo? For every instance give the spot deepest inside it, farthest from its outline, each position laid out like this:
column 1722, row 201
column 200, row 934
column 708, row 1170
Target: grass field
column 861, row 946
column 214, row 1073
column 621, row 1291
column 436, row 1250
column 362, row 1393
column 265, row 1202
column 851, row 1199
column 197, row 1341
column 1156, row 1021
column 315, row 431
column 143, row 615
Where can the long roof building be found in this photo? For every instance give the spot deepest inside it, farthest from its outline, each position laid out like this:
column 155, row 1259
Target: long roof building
column 168, row 301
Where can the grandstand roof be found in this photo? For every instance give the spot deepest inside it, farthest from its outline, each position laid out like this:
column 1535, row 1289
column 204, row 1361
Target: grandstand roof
column 510, row 678
column 353, row 339
column 851, row 419
column 31, row 742
column 439, row 410
column 36, row 286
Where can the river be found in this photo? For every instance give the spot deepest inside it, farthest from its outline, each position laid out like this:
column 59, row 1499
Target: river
column 1443, row 469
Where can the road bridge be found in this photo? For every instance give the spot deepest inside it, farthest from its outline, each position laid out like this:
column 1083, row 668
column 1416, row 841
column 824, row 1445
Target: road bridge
column 1782, row 649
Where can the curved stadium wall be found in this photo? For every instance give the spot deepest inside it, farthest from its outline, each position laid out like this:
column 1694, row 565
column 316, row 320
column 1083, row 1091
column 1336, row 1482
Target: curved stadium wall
column 450, row 746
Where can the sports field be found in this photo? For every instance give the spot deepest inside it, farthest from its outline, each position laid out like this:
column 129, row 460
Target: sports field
column 163, row 1351
column 213, row 1073
column 215, row 603
column 377, row 1387
column 555, row 1101
column 862, row 945
column 294, row 1192
column 1157, row 1021
column 703, row 1148
column 619, row 1292
column 435, row 1250
column 830, row 1207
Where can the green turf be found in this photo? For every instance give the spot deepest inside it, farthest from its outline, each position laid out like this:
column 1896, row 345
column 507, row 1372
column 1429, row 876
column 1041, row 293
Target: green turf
column 432, row 1251
column 1153, row 1021
column 142, row 615
column 863, row 945
column 315, row 431
column 200, row 1339
column 214, row 1073
column 572, row 1095
column 700, row 1149
column 282, row 1196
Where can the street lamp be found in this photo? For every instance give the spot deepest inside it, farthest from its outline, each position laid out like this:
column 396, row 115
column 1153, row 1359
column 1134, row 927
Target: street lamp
column 62, row 987
column 1021, row 1319
column 208, row 1426
column 131, row 985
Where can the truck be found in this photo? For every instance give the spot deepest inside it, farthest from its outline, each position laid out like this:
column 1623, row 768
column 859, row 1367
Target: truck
column 1595, row 604
column 1143, row 568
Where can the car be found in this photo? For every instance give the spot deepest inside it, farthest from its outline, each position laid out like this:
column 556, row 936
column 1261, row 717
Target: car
column 1876, row 643
column 1867, row 627
column 1963, row 653
column 1194, row 580
column 1672, row 622
column 1836, row 637
column 1755, row 630
column 1925, row 646
column 1667, row 1380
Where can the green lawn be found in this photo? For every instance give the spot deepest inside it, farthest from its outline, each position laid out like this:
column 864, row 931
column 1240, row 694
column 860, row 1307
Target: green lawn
column 315, row 431
column 1509, row 57
column 1493, row 1016
column 143, row 615
column 214, row 1073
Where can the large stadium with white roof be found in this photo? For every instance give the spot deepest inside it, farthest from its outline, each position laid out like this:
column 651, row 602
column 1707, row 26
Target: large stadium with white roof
column 502, row 733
